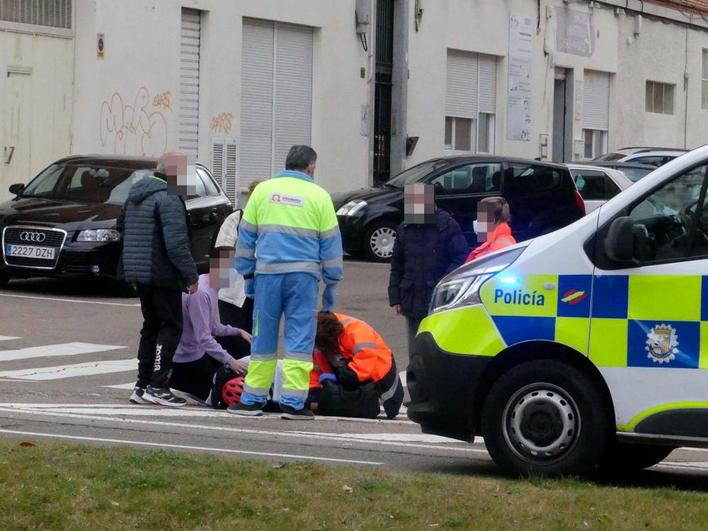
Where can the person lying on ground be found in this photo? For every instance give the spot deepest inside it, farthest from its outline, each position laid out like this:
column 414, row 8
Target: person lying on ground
column 200, row 360
column 353, row 371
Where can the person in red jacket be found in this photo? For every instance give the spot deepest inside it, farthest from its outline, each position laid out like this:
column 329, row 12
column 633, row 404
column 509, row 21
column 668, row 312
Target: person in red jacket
column 353, row 371
column 492, row 227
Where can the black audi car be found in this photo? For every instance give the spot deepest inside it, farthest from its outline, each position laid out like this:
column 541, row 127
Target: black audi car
column 63, row 223
column 542, row 198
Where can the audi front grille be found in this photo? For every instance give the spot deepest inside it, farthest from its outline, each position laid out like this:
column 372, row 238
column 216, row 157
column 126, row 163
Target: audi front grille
column 37, row 236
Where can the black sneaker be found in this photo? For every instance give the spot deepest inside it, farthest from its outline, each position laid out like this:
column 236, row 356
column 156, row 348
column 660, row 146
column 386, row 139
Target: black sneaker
column 162, row 396
column 291, row 413
column 136, row 396
column 254, row 410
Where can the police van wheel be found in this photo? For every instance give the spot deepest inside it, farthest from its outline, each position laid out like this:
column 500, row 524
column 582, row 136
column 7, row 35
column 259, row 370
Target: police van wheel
column 545, row 417
column 626, row 457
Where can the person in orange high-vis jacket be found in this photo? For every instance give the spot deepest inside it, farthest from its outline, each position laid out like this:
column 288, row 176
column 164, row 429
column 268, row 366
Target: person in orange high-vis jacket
column 492, row 227
column 353, row 371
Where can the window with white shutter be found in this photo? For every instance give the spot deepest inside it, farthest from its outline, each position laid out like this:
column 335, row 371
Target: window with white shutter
column 596, row 112
column 53, row 13
column 224, row 165
column 188, row 136
column 470, row 103
column 276, row 95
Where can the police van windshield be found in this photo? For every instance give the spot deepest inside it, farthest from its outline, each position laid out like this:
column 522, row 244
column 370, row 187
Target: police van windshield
column 84, row 183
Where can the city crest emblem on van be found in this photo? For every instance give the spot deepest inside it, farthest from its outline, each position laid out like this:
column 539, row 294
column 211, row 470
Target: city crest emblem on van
column 662, row 344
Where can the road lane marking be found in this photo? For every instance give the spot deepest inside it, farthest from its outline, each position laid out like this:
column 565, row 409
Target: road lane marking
column 8, row 338
column 123, row 387
column 188, row 447
column 698, row 465
column 249, row 431
column 78, row 301
column 50, row 351
column 72, row 371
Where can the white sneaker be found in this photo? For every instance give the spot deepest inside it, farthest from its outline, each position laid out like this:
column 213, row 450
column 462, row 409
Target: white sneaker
column 138, row 396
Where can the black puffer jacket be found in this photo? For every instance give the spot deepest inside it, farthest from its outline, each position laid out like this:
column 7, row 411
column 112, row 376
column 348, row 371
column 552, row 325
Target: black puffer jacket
column 422, row 255
column 155, row 235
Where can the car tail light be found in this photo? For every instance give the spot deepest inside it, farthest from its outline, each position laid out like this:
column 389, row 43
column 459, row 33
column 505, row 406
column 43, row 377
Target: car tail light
column 579, row 201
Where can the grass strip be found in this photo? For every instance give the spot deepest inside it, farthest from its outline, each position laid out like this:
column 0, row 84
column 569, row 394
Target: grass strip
column 57, row 486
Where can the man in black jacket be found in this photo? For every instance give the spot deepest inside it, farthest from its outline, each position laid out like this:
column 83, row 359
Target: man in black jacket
column 157, row 257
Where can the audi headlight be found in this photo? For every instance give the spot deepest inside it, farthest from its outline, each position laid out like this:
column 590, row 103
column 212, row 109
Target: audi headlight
column 98, row 235
column 351, row 208
column 461, row 287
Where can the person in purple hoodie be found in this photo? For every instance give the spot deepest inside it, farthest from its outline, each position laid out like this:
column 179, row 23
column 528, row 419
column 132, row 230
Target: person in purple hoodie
column 200, row 356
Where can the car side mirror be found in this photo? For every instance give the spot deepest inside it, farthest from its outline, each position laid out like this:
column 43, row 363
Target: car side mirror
column 17, row 188
column 619, row 242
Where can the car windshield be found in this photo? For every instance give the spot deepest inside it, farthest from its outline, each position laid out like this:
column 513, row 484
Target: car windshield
column 610, row 157
column 634, row 174
column 85, row 183
column 416, row 173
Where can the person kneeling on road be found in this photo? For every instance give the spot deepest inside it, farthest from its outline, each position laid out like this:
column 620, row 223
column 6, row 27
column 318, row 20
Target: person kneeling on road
column 353, row 370
column 202, row 366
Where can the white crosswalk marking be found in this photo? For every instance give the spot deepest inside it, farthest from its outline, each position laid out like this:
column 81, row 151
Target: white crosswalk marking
column 51, row 351
column 8, row 338
column 72, row 371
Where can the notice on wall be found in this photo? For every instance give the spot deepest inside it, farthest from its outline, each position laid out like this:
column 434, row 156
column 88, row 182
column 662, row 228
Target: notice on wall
column 518, row 111
column 574, row 33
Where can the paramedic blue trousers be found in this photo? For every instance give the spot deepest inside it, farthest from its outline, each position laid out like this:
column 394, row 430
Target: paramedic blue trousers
column 293, row 295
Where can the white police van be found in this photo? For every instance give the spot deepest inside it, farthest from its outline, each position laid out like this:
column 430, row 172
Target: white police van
column 584, row 347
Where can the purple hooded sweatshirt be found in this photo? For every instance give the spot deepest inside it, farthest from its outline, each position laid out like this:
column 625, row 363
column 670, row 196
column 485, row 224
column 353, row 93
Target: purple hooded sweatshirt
column 201, row 325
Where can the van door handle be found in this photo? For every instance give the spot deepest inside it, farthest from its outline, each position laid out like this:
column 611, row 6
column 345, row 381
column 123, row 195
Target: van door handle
column 549, row 286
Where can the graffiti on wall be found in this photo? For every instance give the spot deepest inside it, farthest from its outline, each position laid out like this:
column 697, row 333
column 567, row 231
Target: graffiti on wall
column 139, row 128
column 221, row 123
column 163, row 101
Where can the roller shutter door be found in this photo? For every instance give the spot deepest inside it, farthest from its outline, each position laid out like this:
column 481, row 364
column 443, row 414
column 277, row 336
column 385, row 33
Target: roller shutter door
column 276, row 96
column 188, row 136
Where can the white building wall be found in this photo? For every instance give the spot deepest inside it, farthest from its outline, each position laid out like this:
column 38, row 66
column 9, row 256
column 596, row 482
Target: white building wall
column 126, row 102
column 36, row 73
column 482, row 26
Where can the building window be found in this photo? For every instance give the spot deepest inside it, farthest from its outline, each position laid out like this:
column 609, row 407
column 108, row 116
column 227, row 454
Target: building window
column 53, row 13
column 459, row 134
column 660, row 97
column 595, row 143
column 704, row 83
column 470, row 102
column 596, row 112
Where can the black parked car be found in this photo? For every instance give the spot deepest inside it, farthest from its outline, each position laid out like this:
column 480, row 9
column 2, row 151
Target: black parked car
column 63, row 223
column 542, row 198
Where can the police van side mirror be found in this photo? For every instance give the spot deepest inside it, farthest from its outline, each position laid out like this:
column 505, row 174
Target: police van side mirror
column 619, row 243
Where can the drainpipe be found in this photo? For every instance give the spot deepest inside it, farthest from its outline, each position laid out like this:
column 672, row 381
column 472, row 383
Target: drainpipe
column 685, row 92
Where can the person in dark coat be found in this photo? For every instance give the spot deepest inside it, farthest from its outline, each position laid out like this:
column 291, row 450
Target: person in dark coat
column 429, row 244
column 157, row 257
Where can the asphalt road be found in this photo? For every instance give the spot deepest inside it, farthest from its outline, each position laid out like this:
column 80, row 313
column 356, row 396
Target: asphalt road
column 67, row 363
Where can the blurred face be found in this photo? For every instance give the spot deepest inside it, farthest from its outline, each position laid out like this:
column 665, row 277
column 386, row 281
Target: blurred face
column 484, row 225
column 175, row 168
column 220, row 269
column 419, row 203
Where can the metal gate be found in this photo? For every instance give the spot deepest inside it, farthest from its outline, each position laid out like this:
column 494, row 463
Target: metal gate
column 383, row 91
